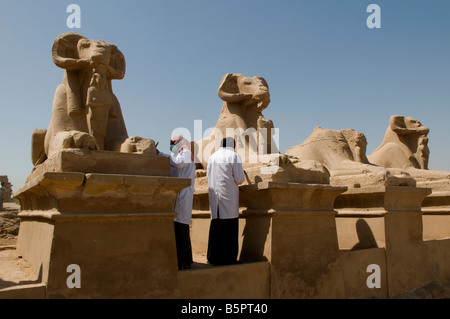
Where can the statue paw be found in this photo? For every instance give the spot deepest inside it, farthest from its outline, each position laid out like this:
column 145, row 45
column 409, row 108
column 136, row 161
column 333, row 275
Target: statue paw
column 137, row 144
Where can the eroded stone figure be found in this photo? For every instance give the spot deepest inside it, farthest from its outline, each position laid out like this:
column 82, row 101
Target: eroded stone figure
column 343, row 153
column 85, row 113
column 405, row 146
column 244, row 99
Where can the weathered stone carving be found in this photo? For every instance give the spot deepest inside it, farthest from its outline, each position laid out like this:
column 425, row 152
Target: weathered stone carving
column 343, row 153
column 336, row 149
column 244, row 99
column 405, row 146
column 86, row 114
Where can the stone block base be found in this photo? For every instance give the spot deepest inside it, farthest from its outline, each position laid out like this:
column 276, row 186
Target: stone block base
column 118, row 229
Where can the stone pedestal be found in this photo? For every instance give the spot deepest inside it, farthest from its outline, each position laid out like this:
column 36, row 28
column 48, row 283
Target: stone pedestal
column 436, row 215
column 303, row 241
column 117, row 228
column 400, row 210
column 291, row 225
column 103, row 162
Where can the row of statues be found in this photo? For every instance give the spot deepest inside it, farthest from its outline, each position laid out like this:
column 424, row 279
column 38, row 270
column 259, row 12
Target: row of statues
column 401, row 159
column 87, row 115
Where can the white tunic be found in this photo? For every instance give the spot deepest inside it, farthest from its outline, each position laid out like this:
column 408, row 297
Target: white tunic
column 224, row 174
column 181, row 165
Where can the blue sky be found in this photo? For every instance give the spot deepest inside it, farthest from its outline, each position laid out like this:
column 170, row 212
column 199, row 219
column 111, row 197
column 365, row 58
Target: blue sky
column 324, row 66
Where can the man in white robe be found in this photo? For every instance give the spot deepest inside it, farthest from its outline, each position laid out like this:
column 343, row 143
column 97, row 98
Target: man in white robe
column 224, row 174
column 182, row 165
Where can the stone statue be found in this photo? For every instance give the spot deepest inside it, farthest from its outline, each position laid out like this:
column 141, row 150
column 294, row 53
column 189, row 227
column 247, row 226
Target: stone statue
column 244, row 99
column 86, row 114
column 337, row 150
column 405, row 146
column 343, row 153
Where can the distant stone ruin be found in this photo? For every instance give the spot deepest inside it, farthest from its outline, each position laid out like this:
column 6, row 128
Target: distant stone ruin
column 7, row 192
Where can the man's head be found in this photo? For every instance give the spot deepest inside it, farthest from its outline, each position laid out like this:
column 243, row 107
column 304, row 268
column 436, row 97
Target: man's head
column 228, row 142
column 174, row 141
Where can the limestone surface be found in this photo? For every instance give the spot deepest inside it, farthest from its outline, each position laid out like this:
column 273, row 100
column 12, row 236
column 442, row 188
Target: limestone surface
column 244, row 99
column 343, row 153
column 405, row 146
column 86, row 114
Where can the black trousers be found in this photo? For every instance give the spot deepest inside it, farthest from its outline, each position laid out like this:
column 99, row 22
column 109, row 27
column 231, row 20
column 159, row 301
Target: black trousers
column 183, row 243
column 223, row 243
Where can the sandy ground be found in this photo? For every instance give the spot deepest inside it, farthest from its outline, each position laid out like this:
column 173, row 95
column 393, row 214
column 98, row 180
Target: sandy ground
column 13, row 269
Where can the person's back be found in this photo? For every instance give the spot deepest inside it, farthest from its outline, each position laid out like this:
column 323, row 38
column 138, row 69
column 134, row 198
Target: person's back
column 224, row 174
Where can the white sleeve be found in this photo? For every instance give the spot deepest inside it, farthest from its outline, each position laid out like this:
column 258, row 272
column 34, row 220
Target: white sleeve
column 238, row 171
column 182, row 159
column 208, row 169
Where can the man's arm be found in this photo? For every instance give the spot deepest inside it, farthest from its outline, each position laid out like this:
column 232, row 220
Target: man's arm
column 238, row 171
column 182, row 159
